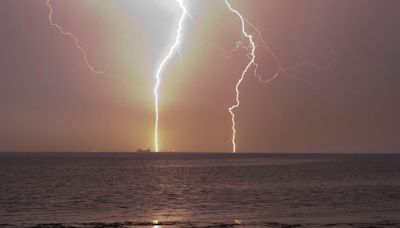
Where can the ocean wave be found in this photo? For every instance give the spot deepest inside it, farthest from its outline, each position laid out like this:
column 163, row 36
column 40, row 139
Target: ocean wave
column 385, row 224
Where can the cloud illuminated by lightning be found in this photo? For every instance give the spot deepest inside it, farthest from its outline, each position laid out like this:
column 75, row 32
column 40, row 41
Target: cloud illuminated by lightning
column 161, row 68
column 76, row 40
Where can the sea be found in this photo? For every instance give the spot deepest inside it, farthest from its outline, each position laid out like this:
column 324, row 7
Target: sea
column 113, row 190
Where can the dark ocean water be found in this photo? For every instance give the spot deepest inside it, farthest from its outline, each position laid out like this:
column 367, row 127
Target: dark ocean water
column 198, row 190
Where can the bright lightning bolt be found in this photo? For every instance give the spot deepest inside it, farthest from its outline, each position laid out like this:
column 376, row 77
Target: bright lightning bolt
column 246, row 27
column 72, row 36
column 252, row 47
column 252, row 57
column 161, row 68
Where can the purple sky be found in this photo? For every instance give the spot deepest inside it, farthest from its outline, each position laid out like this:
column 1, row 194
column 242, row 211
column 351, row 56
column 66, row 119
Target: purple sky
column 50, row 101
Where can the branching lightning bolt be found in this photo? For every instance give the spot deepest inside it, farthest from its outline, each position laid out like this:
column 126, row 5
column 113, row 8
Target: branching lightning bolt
column 72, row 36
column 252, row 47
column 161, row 67
column 254, row 41
column 252, row 57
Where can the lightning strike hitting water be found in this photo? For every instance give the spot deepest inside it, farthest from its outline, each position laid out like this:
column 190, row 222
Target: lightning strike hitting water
column 161, row 68
column 252, row 57
column 72, row 36
column 247, row 29
column 252, row 47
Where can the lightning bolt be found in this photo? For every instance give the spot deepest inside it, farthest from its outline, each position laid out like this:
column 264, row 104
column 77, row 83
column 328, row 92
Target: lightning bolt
column 161, row 68
column 252, row 62
column 247, row 29
column 252, row 47
column 74, row 38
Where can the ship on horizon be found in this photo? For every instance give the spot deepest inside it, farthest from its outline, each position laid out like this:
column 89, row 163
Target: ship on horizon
column 143, row 150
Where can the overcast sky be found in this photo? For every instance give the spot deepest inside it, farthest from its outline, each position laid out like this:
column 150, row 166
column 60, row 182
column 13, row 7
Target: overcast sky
column 51, row 101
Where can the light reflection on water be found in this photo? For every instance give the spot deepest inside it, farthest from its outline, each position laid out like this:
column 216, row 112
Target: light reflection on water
column 198, row 189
